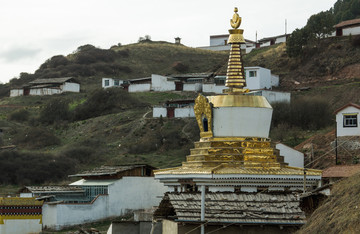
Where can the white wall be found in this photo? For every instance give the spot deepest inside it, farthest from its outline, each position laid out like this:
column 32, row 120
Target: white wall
column 21, row 226
column 16, row 92
column 159, row 111
column 128, row 193
column 44, row 91
column 274, row 80
column 139, row 88
column 241, row 122
column 280, row 40
column 195, row 87
column 184, row 112
column 352, row 31
column 111, row 82
column 216, row 41
column 349, row 131
column 189, row 87
column 70, row 87
column 273, row 96
column 62, row 215
column 213, row 88
column 160, row 83
column 134, row 193
column 291, row 156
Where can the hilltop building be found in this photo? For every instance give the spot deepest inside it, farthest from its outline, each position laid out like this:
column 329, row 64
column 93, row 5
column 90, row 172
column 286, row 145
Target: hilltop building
column 220, row 43
column 234, row 179
column 348, row 27
column 47, row 87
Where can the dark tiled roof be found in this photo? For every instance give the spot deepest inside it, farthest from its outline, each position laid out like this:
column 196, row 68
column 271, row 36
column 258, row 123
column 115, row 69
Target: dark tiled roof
column 244, row 208
column 109, row 170
column 347, row 23
column 341, row 171
column 54, row 188
column 52, row 80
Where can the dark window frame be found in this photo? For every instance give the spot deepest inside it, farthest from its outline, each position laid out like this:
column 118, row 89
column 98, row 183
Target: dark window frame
column 350, row 121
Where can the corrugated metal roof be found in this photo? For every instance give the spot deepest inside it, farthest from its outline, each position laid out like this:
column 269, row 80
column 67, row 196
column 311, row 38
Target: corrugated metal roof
column 54, row 189
column 341, row 171
column 235, row 208
column 83, row 182
column 51, row 80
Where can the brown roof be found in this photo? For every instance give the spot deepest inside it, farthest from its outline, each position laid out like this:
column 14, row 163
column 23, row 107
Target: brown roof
column 242, row 208
column 347, row 105
column 341, row 171
column 109, row 170
column 52, row 80
column 347, row 23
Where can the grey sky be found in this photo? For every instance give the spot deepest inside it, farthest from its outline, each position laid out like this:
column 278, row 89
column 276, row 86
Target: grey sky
column 33, row 31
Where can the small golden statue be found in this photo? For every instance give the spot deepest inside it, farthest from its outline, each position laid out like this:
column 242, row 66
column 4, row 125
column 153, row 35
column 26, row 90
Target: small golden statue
column 236, row 19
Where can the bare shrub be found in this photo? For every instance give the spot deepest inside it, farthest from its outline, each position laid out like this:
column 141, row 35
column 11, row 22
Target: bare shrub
column 20, row 115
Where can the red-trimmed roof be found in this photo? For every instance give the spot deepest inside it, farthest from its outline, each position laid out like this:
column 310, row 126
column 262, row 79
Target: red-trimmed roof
column 347, row 23
column 341, row 171
column 347, row 105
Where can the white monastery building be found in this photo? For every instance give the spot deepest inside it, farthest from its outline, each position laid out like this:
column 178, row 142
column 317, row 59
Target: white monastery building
column 47, row 87
column 108, row 191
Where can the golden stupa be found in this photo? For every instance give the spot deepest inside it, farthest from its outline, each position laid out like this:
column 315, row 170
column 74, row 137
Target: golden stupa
column 234, row 130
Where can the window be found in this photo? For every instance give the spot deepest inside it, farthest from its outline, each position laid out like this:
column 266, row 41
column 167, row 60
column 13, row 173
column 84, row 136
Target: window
column 116, row 82
column 252, row 73
column 107, row 82
column 350, row 121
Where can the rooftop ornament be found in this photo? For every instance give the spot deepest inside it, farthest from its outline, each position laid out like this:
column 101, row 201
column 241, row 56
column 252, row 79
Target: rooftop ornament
column 235, row 78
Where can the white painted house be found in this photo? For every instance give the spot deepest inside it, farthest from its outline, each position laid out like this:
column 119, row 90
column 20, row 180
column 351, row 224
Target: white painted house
column 104, row 192
column 348, row 27
column 111, row 82
column 260, row 78
column 268, row 41
column 348, row 120
column 47, row 87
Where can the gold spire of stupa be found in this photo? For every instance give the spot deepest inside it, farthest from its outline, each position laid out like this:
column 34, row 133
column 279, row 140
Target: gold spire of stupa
column 235, row 78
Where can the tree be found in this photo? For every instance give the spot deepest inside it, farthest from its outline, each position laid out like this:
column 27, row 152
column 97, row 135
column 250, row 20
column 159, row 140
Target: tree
column 296, row 41
column 321, row 25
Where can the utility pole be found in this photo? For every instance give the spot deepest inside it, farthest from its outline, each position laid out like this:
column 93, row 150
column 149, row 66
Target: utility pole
column 202, row 209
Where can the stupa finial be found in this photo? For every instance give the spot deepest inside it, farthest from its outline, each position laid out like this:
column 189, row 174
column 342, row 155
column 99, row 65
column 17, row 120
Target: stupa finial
column 235, row 78
column 236, row 19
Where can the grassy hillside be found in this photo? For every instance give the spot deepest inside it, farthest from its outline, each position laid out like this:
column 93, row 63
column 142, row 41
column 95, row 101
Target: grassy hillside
column 340, row 212
column 89, row 64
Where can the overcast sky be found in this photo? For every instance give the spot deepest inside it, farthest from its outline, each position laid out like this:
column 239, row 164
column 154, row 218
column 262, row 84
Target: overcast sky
column 33, row 31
